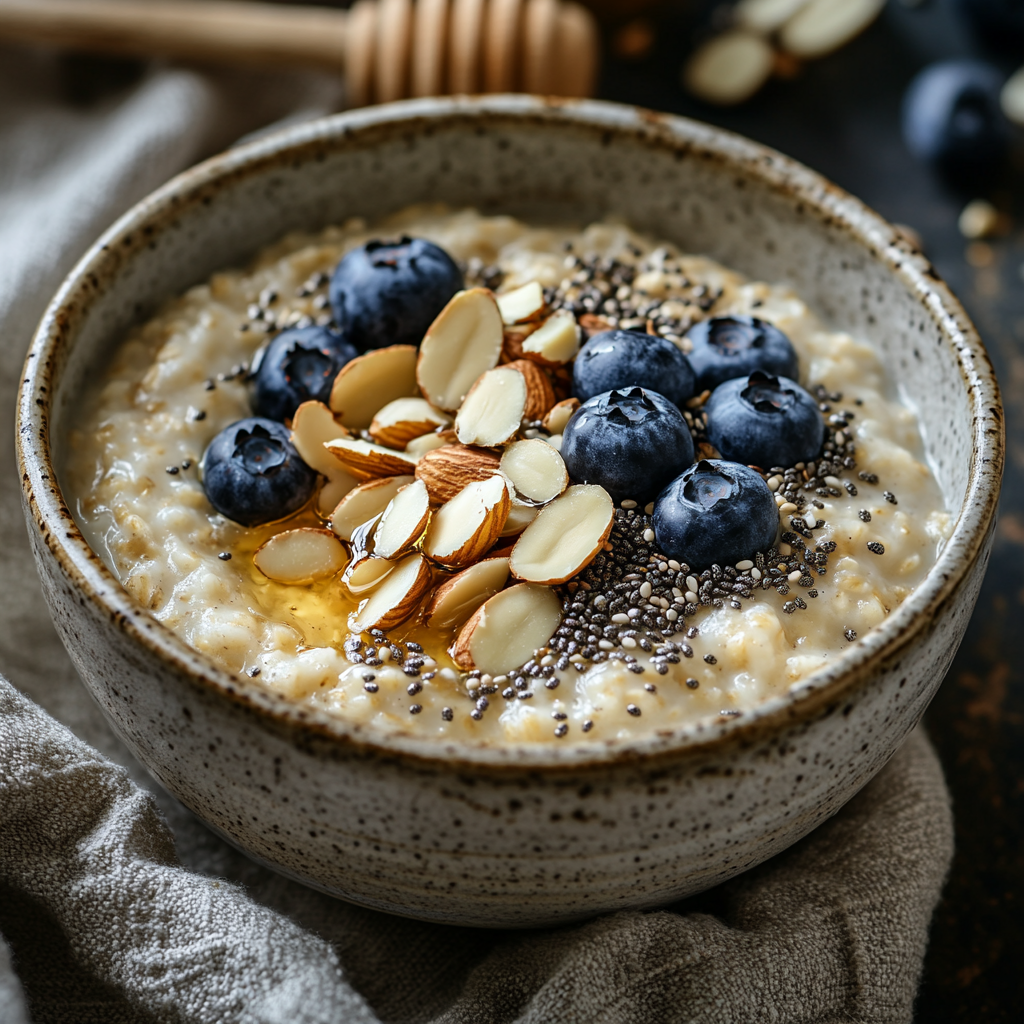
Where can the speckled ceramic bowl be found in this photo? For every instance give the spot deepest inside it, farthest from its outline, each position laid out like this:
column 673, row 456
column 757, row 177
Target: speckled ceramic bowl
column 515, row 836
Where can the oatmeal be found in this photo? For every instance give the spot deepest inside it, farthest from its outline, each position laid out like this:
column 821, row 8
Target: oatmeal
column 496, row 529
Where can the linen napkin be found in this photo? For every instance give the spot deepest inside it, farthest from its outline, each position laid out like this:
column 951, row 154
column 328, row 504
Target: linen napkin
column 117, row 905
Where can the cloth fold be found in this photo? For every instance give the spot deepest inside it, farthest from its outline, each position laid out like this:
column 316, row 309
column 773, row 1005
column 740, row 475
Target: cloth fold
column 117, row 905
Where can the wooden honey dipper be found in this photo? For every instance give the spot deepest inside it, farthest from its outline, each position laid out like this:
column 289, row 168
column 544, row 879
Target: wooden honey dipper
column 387, row 49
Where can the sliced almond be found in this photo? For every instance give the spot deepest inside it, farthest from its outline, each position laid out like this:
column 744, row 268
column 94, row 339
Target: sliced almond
column 730, row 68
column 522, row 304
column 506, row 630
column 364, row 502
column 366, row 461
column 464, row 528
column 592, row 324
column 459, row 596
column 520, row 515
column 461, row 344
column 540, row 395
column 312, row 425
column 559, row 415
column 403, row 522
column 536, row 470
column 555, row 342
column 419, row 446
column 765, row 16
column 822, row 26
column 300, row 556
column 396, row 598
column 371, row 381
column 448, row 470
column 565, row 536
column 493, row 409
column 555, row 440
column 404, row 419
column 365, row 573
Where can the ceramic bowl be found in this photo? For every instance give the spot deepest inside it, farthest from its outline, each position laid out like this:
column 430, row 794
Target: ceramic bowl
column 516, row 836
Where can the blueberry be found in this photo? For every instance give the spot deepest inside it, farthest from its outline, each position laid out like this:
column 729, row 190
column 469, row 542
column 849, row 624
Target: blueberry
column 715, row 512
column 631, row 442
column 623, row 359
column 1000, row 23
column 764, row 421
column 952, row 120
column 725, row 347
column 388, row 293
column 298, row 366
column 253, row 474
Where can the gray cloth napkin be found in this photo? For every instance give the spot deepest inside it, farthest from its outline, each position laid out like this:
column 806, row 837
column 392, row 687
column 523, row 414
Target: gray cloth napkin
column 117, row 905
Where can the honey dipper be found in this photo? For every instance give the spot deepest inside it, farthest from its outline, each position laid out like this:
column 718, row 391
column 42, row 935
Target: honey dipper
column 387, row 49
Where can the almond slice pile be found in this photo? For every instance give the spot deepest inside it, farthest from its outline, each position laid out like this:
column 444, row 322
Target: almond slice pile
column 427, row 468
column 301, row 556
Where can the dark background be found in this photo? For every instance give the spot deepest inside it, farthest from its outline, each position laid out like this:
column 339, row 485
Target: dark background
column 841, row 116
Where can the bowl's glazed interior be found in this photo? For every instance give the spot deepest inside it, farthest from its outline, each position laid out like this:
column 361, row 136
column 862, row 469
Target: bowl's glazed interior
column 517, row 834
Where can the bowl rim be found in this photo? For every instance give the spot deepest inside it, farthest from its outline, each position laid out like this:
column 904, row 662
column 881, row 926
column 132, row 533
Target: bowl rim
column 330, row 735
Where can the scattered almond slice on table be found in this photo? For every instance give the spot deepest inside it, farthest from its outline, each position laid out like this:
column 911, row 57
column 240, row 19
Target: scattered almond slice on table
column 371, row 381
column 556, row 342
column 559, row 415
column 766, row 16
column 396, row 598
column 405, row 419
column 462, row 343
column 403, row 522
column 493, row 409
column 565, row 536
column 729, row 68
column 365, row 501
column 447, row 470
column 312, row 425
column 822, row 26
column 522, row 304
column 464, row 528
column 459, row 596
column 506, row 630
column 520, row 515
column 536, row 470
column 365, row 460
column 301, row 556
column 365, row 573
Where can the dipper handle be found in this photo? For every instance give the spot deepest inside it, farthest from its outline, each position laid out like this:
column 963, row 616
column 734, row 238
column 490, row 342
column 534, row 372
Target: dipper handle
column 387, row 49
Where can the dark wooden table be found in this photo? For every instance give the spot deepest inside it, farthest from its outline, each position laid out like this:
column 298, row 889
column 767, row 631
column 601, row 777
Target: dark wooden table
column 841, row 117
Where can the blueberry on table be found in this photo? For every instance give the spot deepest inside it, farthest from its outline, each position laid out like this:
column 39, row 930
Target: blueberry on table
column 764, row 421
column 631, row 442
column 716, row 512
column 725, row 347
column 253, row 474
column 623, row 359
column 952, row 120
column 298, row 366
column 389, row 293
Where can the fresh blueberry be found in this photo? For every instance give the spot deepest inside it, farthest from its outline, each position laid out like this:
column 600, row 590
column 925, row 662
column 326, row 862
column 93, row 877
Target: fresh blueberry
column 725, row 347
column 631, row 442
column 388, row 293
column 623, row 359
column 298, row 366
column 953, row 121
column 764, row 421
column 253, row 474
column 715, row 512
column 1000, row 23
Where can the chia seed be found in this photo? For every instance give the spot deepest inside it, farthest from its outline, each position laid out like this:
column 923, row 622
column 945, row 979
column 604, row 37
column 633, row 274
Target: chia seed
column 850, row 634
column 225, row 556
column 875, row 548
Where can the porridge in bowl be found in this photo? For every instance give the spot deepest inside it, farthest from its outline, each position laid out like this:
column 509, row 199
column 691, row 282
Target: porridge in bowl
column 494, row 483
